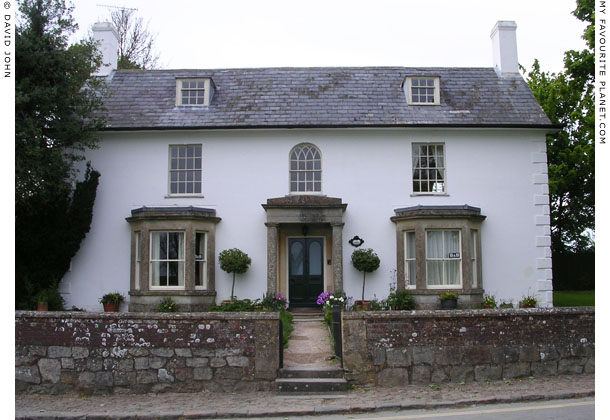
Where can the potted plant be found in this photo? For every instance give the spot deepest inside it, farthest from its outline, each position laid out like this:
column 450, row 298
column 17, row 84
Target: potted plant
column 167, row 305
column 400, row 300
column 43, row 300
column 449, row 300
column 234, row 261
column 528, row 302
column 111, row 301
column 506, row 305
column 489, row 303
column 367, row 261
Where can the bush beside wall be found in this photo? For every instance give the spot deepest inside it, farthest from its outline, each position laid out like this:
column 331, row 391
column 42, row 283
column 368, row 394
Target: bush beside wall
column 397, row 348
column 60, row 352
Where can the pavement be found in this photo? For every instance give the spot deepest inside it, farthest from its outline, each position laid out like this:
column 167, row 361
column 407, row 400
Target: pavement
column 211, row 405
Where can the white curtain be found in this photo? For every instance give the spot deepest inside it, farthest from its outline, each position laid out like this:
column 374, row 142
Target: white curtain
column 410, row 256
column 452, row 245
column 434, row 251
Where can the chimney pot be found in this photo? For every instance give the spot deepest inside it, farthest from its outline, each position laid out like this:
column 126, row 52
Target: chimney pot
column 504, row 45
column 108, row 44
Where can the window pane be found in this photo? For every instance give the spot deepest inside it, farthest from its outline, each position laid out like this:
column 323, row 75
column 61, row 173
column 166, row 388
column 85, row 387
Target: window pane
column 415, row 82
column 181, row 188
column 435, row 272
column 452, row 242
column 434, row 244
column 293, row 186
column 317, row 186
column 197, row 187
column 296, row 259
column 411, row 273
column 410, row 248
column 172, row 275
column 453, row 272
column 174, row 244
column 315, row 258
column 317, row 176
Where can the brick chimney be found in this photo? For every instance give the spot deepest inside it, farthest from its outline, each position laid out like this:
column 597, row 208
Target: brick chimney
column 504, row 44
column 108, row 44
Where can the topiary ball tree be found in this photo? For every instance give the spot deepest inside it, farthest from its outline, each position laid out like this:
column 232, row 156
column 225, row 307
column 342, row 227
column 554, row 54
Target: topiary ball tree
column 367, row 261
column 234, row 261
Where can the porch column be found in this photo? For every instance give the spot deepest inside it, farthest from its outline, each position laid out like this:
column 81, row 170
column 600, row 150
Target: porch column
column 272, row 239
column 337, row 255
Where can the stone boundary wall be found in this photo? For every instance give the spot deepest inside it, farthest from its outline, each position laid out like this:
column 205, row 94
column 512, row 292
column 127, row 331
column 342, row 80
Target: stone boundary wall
column 402, row 347
column 92, row 353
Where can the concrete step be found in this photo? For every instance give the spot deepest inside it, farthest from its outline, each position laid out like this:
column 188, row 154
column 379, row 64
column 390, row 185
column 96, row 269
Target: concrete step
column 301, row 373
column 310, row 385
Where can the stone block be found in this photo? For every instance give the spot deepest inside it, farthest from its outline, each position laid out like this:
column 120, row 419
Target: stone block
column 27, row 374
column 516, row 370
column 138, row 351
column 25, row 360
column 122, row 378
column 184, row 374
column 238, row 361
column 126, row 365
column 80, row 352
column 86, row 378
column 463, row 373
column 203, row 352
column 393, row 377
column 511, row 355
column 569, row 366
column 147, row 377
column 94, row 364
column 529, row 354
column 67, row 363
column 141, row 363
column 156, row 362
column 50, row 370
column 590, row 365
column 197, row 362
column 56, row 352
column 489, row 372
column 69, row 377
column 548, row 352
column 448, row 356
column 175, row 362
column 164, row 376
column 378, row 354
column 423, row 354
column 110, row 364
column 183, row 352
column 582, row 350
column 217, row 362
column 40, row 351
column 544, row 368
column 397, row 358
column 477, row 355
column 162, row 352
column 103, row 379
column 422, row 374
column 228, row 373
column 202, row 373
column 439, row 375
column 497, row 355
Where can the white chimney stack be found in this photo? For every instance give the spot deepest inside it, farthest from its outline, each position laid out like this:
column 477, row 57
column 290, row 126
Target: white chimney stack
column 504, row 44
column 108, row 44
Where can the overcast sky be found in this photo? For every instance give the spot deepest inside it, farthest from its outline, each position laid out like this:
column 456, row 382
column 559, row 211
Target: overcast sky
column 311, row 33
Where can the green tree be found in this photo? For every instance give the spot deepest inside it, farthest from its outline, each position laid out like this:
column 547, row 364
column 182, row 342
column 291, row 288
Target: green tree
column 568, row 100
column 56, row 100
column 234, row 261
column 367, row 261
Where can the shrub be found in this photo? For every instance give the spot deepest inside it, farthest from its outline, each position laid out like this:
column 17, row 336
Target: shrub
column 274, row 302
column 167, row 305
column 234, row 261
column 401, row 300
column 236, row 305
column 367, row 261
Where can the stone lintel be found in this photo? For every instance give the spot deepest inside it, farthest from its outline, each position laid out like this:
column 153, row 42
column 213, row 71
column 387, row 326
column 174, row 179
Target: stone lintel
column 172, row 213
column 438, row 212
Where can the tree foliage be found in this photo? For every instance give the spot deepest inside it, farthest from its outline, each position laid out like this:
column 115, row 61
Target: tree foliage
column 568, row 100
column 55, row 122
column 234, row 261
column 136, row 42
column 367, row 261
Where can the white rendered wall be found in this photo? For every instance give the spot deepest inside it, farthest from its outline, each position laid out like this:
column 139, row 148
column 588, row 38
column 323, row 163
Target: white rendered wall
column 500, row 171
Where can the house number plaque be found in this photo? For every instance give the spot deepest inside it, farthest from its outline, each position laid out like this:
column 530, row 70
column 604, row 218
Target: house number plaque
column 454, row 255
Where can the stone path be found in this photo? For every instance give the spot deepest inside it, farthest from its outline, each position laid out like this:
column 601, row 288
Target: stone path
column 309, row 345
column 174, row 406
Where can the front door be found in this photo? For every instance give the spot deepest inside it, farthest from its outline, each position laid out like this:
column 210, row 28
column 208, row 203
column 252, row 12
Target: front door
column 305, row 271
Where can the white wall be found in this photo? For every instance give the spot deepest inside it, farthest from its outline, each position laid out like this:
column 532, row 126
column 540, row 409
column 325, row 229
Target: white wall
column 370, row 169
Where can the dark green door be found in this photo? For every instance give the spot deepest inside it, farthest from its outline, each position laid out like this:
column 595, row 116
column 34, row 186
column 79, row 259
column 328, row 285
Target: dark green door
column 305, row 271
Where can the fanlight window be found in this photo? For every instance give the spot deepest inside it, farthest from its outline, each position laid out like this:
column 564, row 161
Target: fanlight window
column 305, row 169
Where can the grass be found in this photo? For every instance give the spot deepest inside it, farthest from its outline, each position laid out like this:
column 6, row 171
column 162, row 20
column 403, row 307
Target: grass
column 574, row 298
column 287, row 326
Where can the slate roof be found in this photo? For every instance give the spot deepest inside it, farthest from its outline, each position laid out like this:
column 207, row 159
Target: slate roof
column 321, row 97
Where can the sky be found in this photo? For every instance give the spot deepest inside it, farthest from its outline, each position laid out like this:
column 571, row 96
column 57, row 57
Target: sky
column 313, row 33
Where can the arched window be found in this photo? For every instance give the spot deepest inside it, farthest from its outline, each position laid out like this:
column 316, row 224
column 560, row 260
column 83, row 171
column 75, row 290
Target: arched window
column 305, row 169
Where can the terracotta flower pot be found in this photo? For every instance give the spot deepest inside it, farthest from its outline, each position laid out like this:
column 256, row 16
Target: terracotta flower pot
column 43, row 306
column 362, row 305
column 111, row 307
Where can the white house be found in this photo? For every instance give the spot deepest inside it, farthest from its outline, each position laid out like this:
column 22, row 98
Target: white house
column 442, row 171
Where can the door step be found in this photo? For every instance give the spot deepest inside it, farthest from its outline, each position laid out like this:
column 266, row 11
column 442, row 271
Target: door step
column 313, row 380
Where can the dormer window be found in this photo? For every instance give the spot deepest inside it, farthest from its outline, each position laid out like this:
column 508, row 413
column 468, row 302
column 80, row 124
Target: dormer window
column 423, row 91
column 193, row 92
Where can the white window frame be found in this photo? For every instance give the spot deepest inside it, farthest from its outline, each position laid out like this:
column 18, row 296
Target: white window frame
column 206, row 91
column 305, row 171
column 138, row 258
column 436, row 87
column 442, row 169
column 408, row 260
column 444, row 286
column 473, row 258
column 203, row 270
column 178, row 170
column 151, row 261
